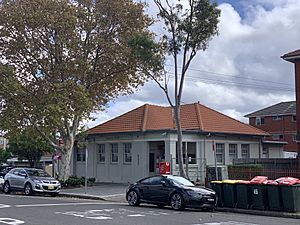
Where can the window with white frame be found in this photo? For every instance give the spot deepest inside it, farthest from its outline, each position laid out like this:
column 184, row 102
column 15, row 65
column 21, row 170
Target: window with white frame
column 80, row 155
column 277, row 136
column 233, row 153
column 114, row 153
column 295, row 137
column 265, row 152
column 101, row 153
column 127, row 153
column 259, row 121
column 245, row 151
column 220, row 153
column 191, row 152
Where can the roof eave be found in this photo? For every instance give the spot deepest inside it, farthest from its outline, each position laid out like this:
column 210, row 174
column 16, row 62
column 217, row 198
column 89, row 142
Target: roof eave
column 291, row 58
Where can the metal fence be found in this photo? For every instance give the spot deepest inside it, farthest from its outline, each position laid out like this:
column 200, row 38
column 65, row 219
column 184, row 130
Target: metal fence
column 248, row 173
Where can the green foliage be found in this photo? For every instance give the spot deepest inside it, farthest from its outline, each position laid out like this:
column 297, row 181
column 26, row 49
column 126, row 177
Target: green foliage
column 28, row 145
column 246, row 166
column 4, row 155
column 65, row 59
column 74, row 181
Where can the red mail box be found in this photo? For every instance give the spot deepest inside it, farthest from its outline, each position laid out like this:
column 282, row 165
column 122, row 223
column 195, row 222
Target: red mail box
column 164, row 168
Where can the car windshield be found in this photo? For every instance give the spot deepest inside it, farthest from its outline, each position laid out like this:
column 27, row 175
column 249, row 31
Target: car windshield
column 37, row 173
column 180, row 181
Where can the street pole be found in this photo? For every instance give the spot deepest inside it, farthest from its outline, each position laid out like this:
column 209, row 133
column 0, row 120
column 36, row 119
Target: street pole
column 86, row 167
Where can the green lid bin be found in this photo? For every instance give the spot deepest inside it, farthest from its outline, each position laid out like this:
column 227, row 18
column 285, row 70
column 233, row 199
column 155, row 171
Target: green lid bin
column 229, row 193
column 243, row 198
column 291, row 198
column 217, row 187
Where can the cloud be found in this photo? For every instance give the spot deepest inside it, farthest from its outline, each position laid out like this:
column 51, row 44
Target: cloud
column 241, row 71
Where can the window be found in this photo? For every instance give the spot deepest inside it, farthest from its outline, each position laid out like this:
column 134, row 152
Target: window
column 295, row 137
column 220, row 153
column 191, row 152
column 245, row 151
column 155, row 180
column 101, row 153
column 277, row 136
column 127, row 153
column 80, row 155
column 232, row 152
column 294, row 118
column 114, row 153
column 259, row 121
column 265, row 152
column 277, row 117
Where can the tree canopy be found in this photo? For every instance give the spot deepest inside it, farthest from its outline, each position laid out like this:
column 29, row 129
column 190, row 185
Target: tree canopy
column 63, row 59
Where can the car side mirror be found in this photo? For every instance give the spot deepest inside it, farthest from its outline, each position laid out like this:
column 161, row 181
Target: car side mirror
column 163, row 183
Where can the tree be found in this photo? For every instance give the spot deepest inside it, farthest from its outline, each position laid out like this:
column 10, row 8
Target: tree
column 28, row 145
column 189, row 28
column 63, row 59
column 4, row 156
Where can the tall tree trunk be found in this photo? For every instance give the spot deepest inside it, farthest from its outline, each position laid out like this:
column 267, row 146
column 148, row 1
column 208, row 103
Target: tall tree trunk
column 179, row 142
column 65, row 169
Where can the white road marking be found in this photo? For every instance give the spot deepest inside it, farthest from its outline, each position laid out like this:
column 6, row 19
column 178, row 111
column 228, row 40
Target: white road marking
column 136, row 215
column 227, row 223
column 70, row 204
column 11, row 221
column 4, row 206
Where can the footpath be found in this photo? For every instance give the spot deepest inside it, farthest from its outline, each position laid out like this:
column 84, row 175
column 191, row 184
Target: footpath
column 116, row 193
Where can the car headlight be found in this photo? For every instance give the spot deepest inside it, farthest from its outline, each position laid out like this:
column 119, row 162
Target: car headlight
column 193, row 193
column 37, row 181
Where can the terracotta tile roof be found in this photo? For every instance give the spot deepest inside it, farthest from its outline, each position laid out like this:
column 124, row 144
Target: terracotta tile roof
column 282, row 108
column 292, row 56
column 193, row 117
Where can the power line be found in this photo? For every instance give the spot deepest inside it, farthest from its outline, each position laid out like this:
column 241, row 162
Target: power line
column 234, row 76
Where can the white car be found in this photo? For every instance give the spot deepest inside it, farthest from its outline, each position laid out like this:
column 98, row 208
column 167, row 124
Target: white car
column 1, row 181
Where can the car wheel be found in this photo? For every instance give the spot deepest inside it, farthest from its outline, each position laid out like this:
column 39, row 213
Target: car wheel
column 6, row 187
column 177, row 201
column 28, row 189
column 133, row 198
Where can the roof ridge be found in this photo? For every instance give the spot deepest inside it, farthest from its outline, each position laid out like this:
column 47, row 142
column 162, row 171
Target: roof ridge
column 248, row 125
column 145, row 117
column 101, row 124
column 200, row 123
column 268, row 107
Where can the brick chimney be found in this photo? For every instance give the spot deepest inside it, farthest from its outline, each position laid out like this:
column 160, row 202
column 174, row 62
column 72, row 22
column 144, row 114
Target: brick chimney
column 294, row 57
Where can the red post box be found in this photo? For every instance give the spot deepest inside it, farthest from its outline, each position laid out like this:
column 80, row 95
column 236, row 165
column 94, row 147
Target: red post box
column 164, row 168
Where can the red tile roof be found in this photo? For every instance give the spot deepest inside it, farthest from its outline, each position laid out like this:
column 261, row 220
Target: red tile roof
column 193, row 117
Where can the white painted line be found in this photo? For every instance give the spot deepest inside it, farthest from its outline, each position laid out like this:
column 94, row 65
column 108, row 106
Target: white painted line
column 11, row 221
column 136, row 215
column 4, row 206
column 70, row 204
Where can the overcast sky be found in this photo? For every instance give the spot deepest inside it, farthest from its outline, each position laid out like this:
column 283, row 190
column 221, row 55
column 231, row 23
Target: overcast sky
column 241, row 71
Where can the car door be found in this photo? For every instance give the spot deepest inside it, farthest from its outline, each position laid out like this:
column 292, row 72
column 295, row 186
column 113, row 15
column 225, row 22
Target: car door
column 144, row 189
column 159, row 190
column 20, row 180
column 12, row 177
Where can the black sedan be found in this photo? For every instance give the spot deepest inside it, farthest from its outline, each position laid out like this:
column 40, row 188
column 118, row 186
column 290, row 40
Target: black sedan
column 175, row 191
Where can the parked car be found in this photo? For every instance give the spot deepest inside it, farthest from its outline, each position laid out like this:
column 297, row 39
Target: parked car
column 30, row 180
column 3, row 171
column 175, row 191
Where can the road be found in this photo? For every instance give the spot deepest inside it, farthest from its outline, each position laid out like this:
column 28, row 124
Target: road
column 39, row 210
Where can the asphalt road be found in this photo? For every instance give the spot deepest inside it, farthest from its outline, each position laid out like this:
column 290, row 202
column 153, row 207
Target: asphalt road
column 39, row 210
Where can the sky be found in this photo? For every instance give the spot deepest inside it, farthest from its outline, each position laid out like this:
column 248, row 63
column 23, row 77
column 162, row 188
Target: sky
column 241, row 71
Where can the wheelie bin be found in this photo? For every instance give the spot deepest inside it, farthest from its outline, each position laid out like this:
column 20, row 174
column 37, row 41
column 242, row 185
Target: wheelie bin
column 274, row 195
column 229, row 193
column 217, row 187
column 243, row 197
column 290, row 191
column 258, row 193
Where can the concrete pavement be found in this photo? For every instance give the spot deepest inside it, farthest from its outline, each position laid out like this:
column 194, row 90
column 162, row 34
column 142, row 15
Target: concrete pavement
column 116, row 193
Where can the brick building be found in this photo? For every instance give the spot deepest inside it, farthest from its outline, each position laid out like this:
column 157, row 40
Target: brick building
column 279, row 121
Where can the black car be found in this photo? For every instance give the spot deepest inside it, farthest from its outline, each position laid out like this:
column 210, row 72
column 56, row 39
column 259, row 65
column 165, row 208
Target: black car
column 171, row 190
